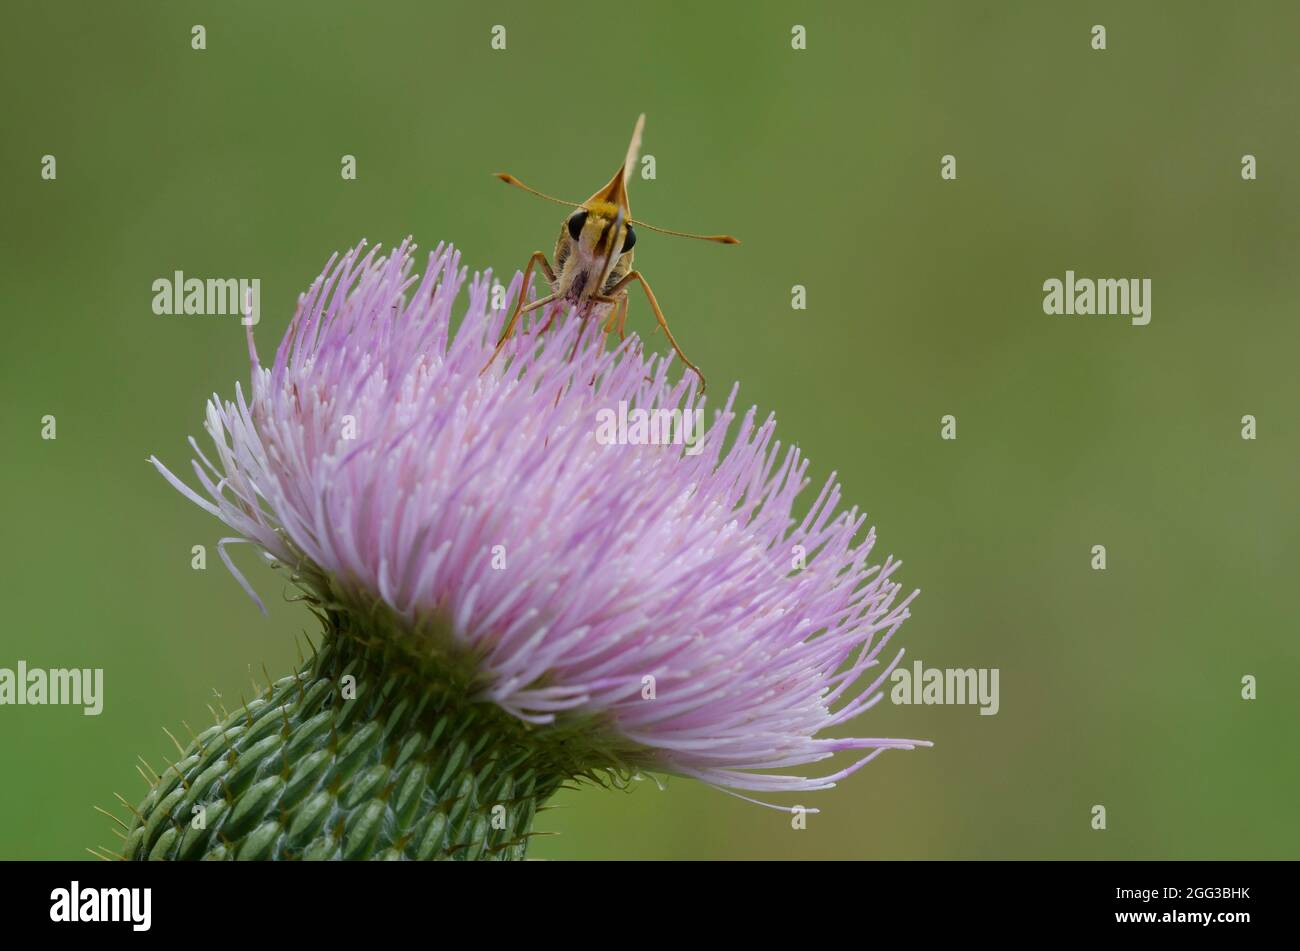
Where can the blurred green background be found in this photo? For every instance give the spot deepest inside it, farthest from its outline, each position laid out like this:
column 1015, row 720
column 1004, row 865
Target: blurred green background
column 1119, row 687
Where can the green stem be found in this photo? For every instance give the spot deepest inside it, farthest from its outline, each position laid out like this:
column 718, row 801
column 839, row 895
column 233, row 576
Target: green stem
column 396, row 764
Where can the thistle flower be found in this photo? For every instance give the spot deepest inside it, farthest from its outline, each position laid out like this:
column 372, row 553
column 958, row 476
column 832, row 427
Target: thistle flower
column 573, row 608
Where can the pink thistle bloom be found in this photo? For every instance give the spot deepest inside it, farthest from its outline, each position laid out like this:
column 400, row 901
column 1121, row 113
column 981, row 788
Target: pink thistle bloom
column 656, row 588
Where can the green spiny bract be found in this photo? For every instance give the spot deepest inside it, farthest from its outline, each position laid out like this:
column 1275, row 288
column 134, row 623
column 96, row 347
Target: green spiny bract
column 394, row 764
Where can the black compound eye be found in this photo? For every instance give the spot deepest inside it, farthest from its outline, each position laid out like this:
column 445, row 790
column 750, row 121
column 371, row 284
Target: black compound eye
column 629, row 240
column 576, row 222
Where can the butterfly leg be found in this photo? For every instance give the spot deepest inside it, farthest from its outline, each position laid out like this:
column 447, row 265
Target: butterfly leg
column 520, row 308
column 659, row 316
column 622, row 321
